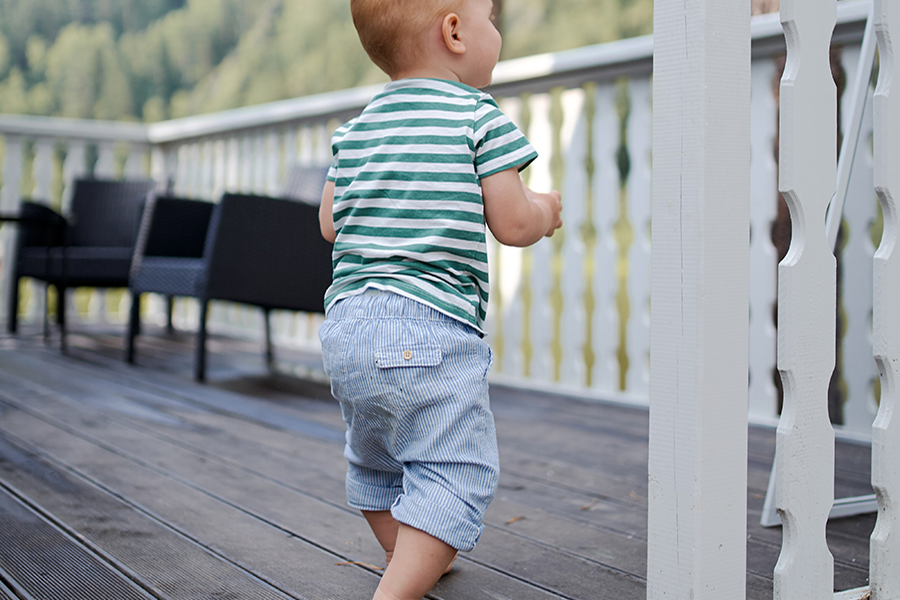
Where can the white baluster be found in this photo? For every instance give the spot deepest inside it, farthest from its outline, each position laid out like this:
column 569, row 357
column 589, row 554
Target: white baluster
column 763, row 397
column 233, row 170
column 700, row 276
column 42, row 169
column 258, row 160
column 639, row 209
column 182, row 170
column 308, row 146
column 134, row 164
column 246, row 159
column 509, row 268
column 541, row 318
column 164, row 165
column 804, row 456
column 273, row 162
column 74, row 168
column 575, row 193
column 220, row 168
column 290, row 151
column 207, row 169
column 605, row 317
column 106, row 161
column 885, row 546
column 195, row 169
column 9, row 203
column 860, row 211
column 322, row 154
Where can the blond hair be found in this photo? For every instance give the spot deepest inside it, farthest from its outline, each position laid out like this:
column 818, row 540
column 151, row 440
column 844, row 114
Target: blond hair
column 391, row 30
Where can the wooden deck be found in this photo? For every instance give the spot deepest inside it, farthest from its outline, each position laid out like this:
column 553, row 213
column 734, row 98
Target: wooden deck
column 121, row 481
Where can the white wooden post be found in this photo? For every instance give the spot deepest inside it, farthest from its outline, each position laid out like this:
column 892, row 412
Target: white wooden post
column 804, row 456
column 884, row 559
column 700, row 280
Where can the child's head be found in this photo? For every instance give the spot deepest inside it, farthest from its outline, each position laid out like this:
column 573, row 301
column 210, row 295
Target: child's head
column 395, row 33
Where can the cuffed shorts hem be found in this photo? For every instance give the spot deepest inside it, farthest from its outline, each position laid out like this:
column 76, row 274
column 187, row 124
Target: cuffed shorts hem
column 372, row 496
column 438, row 521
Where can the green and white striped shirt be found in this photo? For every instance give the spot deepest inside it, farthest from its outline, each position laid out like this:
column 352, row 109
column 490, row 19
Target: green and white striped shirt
column 408, row 208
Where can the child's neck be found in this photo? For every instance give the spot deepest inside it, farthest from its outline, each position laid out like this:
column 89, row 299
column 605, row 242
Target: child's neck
column 425, row 73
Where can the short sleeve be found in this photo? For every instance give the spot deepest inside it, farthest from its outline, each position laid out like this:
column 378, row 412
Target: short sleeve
column 336, row 140
column 499, row 144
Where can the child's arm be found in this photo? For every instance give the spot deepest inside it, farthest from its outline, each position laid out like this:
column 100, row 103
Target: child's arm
column 516, row 215
column 326, row 218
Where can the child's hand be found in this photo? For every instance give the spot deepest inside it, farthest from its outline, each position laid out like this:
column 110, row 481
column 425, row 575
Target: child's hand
column 552, row 201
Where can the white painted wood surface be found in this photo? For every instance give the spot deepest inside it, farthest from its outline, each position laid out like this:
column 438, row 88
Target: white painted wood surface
column 804, row 457
column 605, row 209
column 575, row 194
column 639, row 211
column 540, row 133
column 763, row 396
column 885, row 544
column 700, row 278
column 860, row 212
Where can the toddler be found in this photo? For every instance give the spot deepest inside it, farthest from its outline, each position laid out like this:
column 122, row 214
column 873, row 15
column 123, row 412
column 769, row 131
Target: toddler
column 414, row 180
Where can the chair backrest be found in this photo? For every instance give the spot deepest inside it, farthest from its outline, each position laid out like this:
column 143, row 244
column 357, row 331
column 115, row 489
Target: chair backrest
column 268, row 252
column 106, row 213
column 305, row 184
column 175, row 227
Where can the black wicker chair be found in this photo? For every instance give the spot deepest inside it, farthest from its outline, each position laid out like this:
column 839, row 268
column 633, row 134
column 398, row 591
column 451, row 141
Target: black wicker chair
column 91, row 247
column 257, row 250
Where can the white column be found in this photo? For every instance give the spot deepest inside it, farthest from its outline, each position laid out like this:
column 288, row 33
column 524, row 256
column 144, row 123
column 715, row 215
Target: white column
column 884, row 560
column 804, row 455
column 698, row 386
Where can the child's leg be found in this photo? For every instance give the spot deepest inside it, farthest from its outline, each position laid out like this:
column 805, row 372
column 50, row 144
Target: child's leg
column 385, row 528
column 419, row 561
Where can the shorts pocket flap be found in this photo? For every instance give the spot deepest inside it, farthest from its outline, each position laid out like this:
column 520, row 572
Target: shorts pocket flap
column 408, row 356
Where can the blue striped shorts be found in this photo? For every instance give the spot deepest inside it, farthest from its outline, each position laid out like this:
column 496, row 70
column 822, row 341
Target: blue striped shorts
column 412, row 383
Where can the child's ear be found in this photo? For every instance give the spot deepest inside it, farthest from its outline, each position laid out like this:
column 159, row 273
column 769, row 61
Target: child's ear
column 450, row 28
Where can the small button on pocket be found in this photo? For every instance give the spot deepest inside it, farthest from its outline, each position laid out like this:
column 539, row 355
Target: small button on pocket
column 424, row 355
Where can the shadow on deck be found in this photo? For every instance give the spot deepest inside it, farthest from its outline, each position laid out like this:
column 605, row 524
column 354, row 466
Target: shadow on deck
column 121, row 482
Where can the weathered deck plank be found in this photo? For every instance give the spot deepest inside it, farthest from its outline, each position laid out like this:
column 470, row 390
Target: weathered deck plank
column 247, row 473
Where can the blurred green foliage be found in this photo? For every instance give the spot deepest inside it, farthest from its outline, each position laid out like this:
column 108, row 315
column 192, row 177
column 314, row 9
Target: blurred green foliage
column 150, row 60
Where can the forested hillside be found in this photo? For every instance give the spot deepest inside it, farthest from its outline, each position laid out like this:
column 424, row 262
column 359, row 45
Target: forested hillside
column 157, row 59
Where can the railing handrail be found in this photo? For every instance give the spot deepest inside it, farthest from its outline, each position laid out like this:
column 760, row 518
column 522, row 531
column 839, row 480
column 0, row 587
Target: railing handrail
column 534, row 73
column 84, row 129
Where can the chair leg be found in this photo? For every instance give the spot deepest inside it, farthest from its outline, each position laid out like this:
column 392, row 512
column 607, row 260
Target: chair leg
column 61, row 315
column 270, row 354
column 46, row 313
column 200, row 350
column 170, row 308
column 12, row 306
column 134, row 325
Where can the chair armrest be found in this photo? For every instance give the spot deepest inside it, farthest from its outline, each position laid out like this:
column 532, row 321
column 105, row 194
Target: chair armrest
column 172, row 227
column 40, row 225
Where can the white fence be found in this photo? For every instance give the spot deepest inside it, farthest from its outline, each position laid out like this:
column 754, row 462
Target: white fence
column 570, row 314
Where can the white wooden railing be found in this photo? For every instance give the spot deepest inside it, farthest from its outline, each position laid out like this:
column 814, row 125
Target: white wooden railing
column 571, row 314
